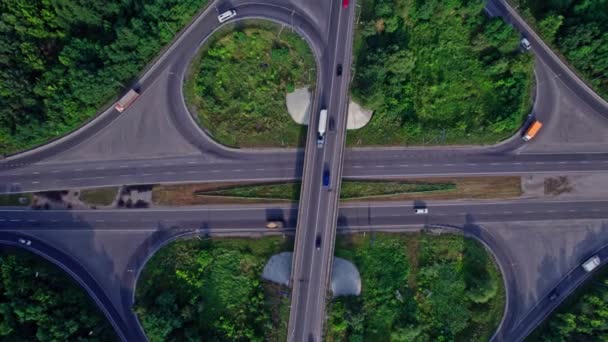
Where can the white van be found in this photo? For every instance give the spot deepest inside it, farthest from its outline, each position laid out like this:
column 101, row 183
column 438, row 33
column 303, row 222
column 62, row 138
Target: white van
column 226, row 15
column 591, row 263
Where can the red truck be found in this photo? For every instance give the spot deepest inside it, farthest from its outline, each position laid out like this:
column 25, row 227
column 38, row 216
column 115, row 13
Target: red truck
column 126, row 100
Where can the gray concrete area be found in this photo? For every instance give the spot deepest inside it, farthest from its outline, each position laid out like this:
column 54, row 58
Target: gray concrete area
column 543, row 252
column 105, row 254
column 570, row 187
column 144, row 130
column 569, row 125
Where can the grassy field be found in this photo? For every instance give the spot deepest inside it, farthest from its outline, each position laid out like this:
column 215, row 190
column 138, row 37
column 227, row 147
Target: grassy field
column 438, row 72
column 99, row 196
column 15, row 199
column 238, row 82
column 398, row 190
column 211, row 290
column 418, row 287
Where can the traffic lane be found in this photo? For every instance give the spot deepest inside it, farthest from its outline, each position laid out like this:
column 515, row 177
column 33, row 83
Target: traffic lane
column 455, row 213
column 545, row 306
column 282, row 167
column 327, row 214
column 242, row 219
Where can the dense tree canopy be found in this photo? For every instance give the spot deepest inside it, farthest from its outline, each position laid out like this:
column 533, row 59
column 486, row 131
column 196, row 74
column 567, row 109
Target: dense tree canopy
column 241, row 82
column 60, row 60
column 438, row 71
column 38, row 302
column 418, row 288
column 580, row 30
column 581, row 318
column 212, row 290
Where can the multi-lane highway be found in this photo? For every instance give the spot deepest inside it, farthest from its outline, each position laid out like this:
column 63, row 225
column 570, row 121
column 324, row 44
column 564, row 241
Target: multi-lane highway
column 322, row 176
column 166, row 224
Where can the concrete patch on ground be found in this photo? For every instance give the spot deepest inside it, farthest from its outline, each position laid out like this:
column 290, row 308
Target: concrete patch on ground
column 278, row 268
column 298, row 105
column 357, row 116
column 345, row 278
column 584, row 186
column 543, row 252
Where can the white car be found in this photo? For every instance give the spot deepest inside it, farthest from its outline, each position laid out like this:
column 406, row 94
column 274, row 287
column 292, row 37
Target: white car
column 226, row 15
column 421, row 210
column 526, row 43
column 591, row 263
column 25, row 242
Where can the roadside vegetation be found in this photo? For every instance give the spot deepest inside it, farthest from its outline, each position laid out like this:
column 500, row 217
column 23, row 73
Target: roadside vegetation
column 38, row 302
column 99, row 196
column 396, row 190
column 238, row 83
column 583, row 316
column 438, row 72
column 579, row 30
column 418, row 287
column 61, row 60
column 16, row 199
column 212, row 290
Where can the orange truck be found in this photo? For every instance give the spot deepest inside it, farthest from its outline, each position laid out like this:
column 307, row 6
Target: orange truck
column 532, row 130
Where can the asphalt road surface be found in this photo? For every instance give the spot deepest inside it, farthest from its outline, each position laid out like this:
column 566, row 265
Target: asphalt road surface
column 251, row 220
column 316, row 225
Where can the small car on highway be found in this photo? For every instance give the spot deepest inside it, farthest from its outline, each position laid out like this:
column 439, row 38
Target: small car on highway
column 226, row 15
column 25, row 242
column 421, row 210
column 274, row 224
column 345, row 3
column 553, row 294
column 339, row 70
column 326, row 178
column 318, row 242
column 525, row 43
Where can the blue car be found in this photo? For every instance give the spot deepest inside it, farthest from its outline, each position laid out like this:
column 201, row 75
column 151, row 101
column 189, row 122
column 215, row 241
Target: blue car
column 326, row 178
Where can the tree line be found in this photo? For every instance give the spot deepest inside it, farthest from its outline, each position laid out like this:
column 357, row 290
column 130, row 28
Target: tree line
column 60, row 60
column 579, row 29
column 38, row 302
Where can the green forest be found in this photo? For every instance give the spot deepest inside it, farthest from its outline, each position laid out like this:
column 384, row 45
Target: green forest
column 438, row 72
column 61, row 60
column 418, row 288
column 581, row 317
column 212, row 290
column 268, row 61
column 579, row 29
column 38, row 302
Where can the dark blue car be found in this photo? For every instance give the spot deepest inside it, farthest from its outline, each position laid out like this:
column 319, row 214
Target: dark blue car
column 326, row 178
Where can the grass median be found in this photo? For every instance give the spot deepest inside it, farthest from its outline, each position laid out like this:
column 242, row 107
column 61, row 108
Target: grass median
column 397, row 190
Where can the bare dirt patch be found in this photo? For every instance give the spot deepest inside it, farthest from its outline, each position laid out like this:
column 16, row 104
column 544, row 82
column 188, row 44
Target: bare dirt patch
column 557, row 185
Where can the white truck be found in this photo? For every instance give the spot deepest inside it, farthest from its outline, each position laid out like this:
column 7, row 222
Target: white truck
column 591, row 263
column 322, row 127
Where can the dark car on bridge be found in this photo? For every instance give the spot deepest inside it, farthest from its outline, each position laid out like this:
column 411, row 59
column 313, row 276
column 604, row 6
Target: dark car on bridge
column 326, row 178
column 318, row 242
